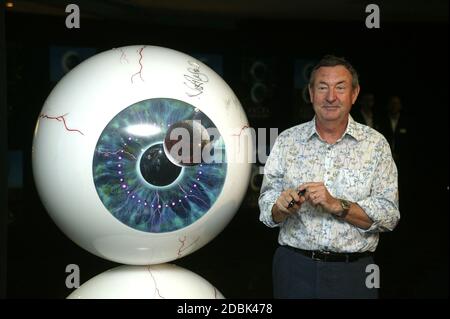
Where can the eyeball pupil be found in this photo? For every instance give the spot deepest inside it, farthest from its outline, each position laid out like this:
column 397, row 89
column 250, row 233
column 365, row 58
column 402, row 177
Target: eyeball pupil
column 156, row 168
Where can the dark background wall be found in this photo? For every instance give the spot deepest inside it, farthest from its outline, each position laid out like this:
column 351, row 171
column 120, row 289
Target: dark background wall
column 3, row 160
column 407, row 56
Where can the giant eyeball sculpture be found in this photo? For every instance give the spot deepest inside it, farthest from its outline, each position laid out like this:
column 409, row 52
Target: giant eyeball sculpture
column 139, row 156
column 147, row 282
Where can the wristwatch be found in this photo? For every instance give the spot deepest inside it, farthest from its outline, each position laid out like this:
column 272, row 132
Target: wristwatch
column 345, row 204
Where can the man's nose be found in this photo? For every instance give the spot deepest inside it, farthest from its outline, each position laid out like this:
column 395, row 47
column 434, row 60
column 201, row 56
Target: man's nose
column 331, row 95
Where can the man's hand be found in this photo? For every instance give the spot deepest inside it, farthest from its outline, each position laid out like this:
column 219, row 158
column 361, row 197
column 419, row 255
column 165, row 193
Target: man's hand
column 317, row 194
column 281, row 209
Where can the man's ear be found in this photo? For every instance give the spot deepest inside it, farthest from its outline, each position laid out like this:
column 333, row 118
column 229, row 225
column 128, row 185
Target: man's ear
column 310, row 93
column 355, row 93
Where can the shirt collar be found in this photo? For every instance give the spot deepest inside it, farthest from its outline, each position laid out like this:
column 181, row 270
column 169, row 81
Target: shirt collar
column 352, row 129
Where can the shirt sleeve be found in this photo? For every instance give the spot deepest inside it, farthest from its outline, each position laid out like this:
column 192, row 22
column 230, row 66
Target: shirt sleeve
column 272, row 184
column 382, row 204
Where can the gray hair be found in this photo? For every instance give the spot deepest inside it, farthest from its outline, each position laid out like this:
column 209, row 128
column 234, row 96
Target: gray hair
column 331, row 60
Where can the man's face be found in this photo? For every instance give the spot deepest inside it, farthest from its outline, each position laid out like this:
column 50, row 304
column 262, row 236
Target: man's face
column 332, row 94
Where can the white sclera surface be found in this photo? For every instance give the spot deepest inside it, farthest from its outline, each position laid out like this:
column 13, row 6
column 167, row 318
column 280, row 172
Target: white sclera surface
column 74, row 116
column 164, row 281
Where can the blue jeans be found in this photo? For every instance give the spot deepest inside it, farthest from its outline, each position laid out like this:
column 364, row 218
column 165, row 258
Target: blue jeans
column 300, row 277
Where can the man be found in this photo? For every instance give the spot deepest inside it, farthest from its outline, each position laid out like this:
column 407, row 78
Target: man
column 331, row 186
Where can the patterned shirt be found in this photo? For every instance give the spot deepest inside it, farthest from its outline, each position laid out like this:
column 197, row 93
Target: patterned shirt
column 358, row 167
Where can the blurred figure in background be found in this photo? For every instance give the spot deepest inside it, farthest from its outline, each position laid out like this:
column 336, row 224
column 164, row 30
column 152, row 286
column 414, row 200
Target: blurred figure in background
column 365, row 112
column 394, row 128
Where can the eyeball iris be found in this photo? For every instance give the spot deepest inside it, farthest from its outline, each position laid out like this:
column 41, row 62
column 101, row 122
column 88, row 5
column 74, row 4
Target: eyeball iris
column 137, row 182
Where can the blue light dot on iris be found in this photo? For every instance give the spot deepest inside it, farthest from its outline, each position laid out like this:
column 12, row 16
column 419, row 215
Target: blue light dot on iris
column 138, row 184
